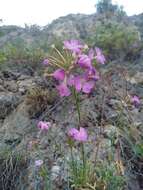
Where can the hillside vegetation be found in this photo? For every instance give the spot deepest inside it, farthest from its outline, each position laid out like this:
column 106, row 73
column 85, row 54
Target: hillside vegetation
column 71, row 103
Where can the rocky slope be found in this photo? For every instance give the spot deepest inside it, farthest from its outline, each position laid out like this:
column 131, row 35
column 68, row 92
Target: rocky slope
column 18, row 126
column 18, row 129
column 70, row 26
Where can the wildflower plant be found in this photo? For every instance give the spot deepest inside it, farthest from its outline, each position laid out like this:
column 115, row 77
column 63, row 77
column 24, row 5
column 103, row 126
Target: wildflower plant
column 74, row 70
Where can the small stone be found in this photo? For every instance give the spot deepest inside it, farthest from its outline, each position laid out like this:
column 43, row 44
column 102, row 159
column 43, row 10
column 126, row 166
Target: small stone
column 55, row 172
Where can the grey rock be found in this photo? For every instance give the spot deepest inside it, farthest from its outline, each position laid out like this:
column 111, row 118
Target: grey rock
column 55, row 171
column 2, row 89
column 1, row 81
column 23, row 77
column 15, row 126
column 11, row 86
column 24, row 85
column 137, row 78
column 8, row 101
column 9, row 74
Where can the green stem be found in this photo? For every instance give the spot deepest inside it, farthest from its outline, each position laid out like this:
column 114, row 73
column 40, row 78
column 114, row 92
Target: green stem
column 77, row 107
column 83, row 161
column 73, row 163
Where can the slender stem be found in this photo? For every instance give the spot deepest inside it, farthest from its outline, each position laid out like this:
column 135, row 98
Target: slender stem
column 83, row 161
column 73, row 163
column 97, row 150
column 82, row 145
column 77, row 107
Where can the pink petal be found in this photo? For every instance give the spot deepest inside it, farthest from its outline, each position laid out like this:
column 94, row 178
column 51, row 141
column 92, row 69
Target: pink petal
column 72, row 132
column 70, row 80
column 88, row 86
column 81, row 135
column 78, row 83
column 92, row 74
column 91, row 53
column 99, row 56
column 46, row 62
column 59, row 74
column 74, row 45
column 63, row 90
column 84, row 61
column 43, row 125
column 135, row 100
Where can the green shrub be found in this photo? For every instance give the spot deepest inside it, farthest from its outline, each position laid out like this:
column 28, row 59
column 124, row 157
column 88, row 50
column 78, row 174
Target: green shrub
column 19, row 54
column 106, row 7
column 115, row 38
column 2, row 57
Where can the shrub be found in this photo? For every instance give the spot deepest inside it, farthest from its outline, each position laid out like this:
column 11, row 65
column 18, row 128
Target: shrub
column 106, row 7
column 116, row 38
column 20, row 55
column 2, row 57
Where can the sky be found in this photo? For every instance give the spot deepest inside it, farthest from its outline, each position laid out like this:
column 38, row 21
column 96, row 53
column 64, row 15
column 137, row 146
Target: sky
column 42, row 12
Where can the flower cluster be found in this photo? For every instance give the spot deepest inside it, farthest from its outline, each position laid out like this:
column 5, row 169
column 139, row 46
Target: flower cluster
column 78, row 135
column 75, row 67
column 135, row 100
column 43, row 126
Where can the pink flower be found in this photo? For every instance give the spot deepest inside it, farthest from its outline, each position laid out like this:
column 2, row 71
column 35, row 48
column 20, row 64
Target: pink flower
column 70, row 80
column 46, row 62
column 73, row 45
column 99, row 56
column 72, row 132
column 91, row 54
column 78, row 81
column 84, row 61
column 43, row 126
column 63, row 90
column 81, row 83
column 88, row 86
column 78, row 135
column 92, row 74
column 135, row 100
column 38, row 163
column 59, row 74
